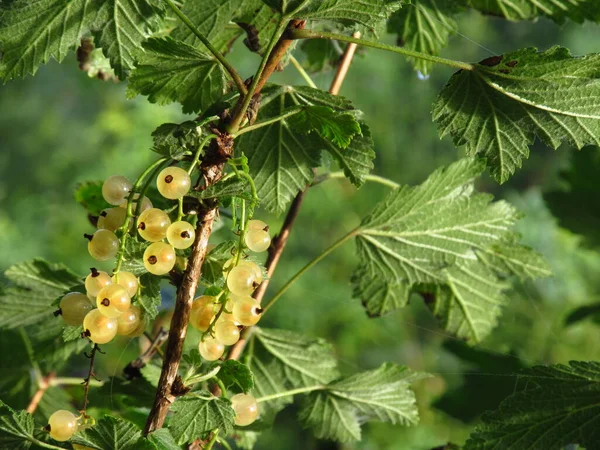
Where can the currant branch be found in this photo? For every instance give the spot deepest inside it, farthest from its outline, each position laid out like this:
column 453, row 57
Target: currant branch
column 87, row 380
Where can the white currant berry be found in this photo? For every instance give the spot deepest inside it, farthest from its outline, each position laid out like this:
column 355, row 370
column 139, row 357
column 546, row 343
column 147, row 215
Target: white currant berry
column 246, row 409
column 211, row 349
column 173, row 182
column 74, row 307
column 242, row 280
column 159, row 258
column 129, row 321
column 112, row 219
column 95, row 281
column 100, row 329
column 227, row 332
column 116, row 189
column 257, row 225
column 202, row 312
column 128, row 280
column 244, row 262
column 103, row 245
column 139, row 330
column 246, row 311
column 62, row 425
column 153, row 224
column 181, row 234
column 113, row 300
column 257, row 240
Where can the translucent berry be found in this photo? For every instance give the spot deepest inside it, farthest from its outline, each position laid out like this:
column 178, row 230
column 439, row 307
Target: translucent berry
column 129, row 281
column 181, row 234
column 63, row 425
column 113, row 300
column 95, row 281
column 159, row 258
column 103, row 245
column 153, row 224
column 202, row 312
column 246, row 409
column 246, row 311
column 257, row 240
column 242, row 280
column 139, row 330
column 257, row 225
column 100, row 329
column 244, row 262
column 211, row 349
column 146, row 203
column 112, row 219
column 116, row 189
column 227, row 332
column 129, row 321
column 173, row 182
column 74, row 306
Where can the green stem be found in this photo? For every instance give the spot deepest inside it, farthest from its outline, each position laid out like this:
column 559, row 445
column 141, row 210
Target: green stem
column 372, row 178
column 291, row 392
column 213, row 439
column 222, row 387
column 179, row 209
column 205, row 376
column 199, row 152
column 130, row 200
column 217, row 54
column 308, row 266
column 267, row 122
column 65, row 381
column 311, row 34
column 224, row 443
column 302, row 72
column 235, row 123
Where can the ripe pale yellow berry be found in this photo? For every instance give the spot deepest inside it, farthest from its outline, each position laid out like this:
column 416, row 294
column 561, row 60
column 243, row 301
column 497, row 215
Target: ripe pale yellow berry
column 115, row 189
column 113, row 300
column 74, row 307
column 95, row 281
column 246, row 409
column 202, row 312
column 227, row 332
column 100, row 329
column 153, row 224
column 128, row 280
column 181, row 234
column 103, row 245
column 173, row 182
column 246, row 311
column 146, row 203
column 257, row 240
column 159, row 258
column 129, row 321
column 211, row 349
column 242, row 280
column 112, row 219
column 257, row 225
column 63, row 425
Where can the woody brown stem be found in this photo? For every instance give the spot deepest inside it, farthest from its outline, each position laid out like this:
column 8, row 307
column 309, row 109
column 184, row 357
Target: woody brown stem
column 39, row 394
column 169, row 386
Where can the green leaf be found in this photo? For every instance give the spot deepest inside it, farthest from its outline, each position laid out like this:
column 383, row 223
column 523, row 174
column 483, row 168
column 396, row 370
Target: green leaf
column 171, row 71
column 212, row 269
column 321, row 54
column 198, row 413
column 280, row 159
column 431, row 238
column 33, row 32
column 163, row 440
column 134, row 256
column 425, row 26
column 36, row 284
column 337, row 127
column 151, row 374
column 557, row 10
column 16, row 428
column 368, row 13
column 71, row 333
column 113, row 433
column 224, row 190
column 557, row 406
column 149, row 299
column 89, row 195
column 282, row 360
column 236, row 376
column 121, row 26
column 175, row 139
column 384, row 395
column 498, row 108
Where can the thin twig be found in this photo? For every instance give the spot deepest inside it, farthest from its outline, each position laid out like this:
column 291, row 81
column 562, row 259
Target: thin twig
column 280, row 241
column 86, row 381
column 343, row 67
column 39, row 394
column 132, row 370
column 211, row 169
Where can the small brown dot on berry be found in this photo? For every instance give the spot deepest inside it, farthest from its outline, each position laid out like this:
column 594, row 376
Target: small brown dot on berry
column 168, row 178
column 186, row 234
column 152, row 259
column 142, row 226
column 105, row 302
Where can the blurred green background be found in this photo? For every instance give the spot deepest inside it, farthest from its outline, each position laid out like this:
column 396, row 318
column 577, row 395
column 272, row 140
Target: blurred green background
column 61, row 128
